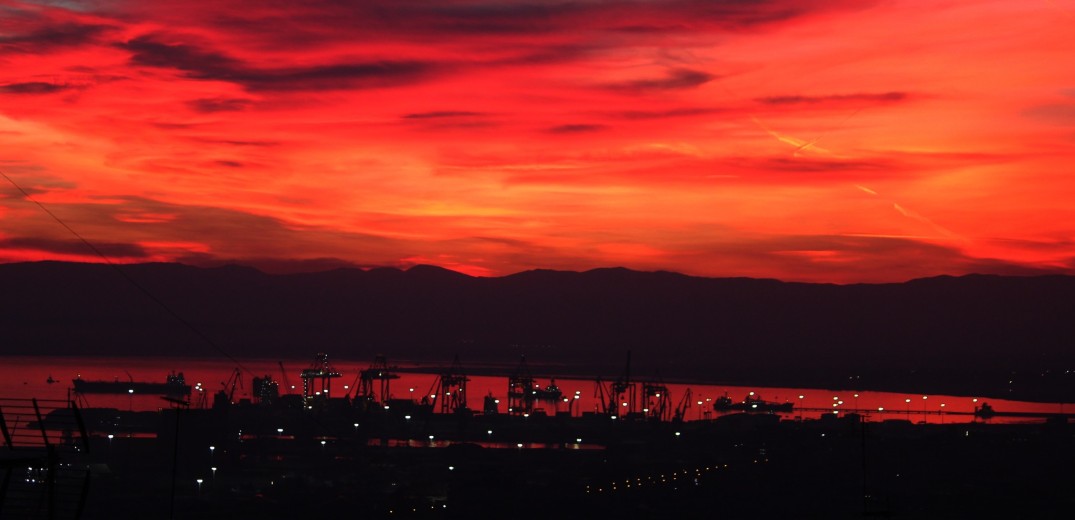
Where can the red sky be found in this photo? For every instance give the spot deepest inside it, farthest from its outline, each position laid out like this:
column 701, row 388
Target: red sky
column 838, row 141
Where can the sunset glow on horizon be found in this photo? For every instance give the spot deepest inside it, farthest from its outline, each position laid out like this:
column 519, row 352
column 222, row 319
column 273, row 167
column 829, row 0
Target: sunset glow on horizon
column 813, row 141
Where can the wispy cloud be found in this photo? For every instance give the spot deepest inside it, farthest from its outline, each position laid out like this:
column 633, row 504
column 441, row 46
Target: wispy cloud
column 771, row 137
column 204, row 64
column 49, row 37
column 839, row 99
column 220, row 104
column 33, row 87
column 674, row 79
column 442, row 114
column 577, row 128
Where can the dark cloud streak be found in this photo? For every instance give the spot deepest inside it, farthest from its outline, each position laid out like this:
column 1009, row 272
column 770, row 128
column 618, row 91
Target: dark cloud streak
column 212, row 105
column 33, row 87
column 668, row 113
column 203, row 64
column 52, row 36
column 75, row 247
column 327, row 20
column 577, row 129
column 884, row 97
column 675, row 79
column 442, row 114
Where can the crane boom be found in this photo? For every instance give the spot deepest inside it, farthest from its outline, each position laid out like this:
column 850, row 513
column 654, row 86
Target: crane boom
column 684, row 404
column 283, row 377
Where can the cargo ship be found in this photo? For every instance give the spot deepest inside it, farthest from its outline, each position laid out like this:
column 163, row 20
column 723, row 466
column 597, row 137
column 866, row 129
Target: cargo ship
column 751, row 403
column 174, row 385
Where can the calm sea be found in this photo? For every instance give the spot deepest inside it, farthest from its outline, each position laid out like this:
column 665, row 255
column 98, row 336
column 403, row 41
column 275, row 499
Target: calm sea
column 25, row 377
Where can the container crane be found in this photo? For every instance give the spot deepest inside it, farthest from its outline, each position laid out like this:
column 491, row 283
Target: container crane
column 226, row 395
column 684, row 405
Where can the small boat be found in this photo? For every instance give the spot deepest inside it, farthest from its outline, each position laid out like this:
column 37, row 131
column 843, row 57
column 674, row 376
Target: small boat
column 174, row 385
column 550, row 393
column 985, row 411
column 751, row 403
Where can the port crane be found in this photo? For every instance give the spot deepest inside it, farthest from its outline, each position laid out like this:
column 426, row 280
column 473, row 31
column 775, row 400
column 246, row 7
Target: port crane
column 684, row 404
column 520, row 386
column 450, row 389
column 523, row 391
column 657, row 402
column 353, row 385
column 226, row 395
column 378, row 371
column 619, row 397
column 317, row 380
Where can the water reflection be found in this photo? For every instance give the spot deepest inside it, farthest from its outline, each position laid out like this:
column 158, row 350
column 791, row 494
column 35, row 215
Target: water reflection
column 50, row 378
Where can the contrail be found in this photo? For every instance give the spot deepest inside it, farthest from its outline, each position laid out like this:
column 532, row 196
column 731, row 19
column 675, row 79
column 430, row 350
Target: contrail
column 799, row 144
column 913, row 215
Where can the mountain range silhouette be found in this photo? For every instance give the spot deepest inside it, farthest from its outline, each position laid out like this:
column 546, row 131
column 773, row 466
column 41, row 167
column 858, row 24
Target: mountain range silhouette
column 999, row 336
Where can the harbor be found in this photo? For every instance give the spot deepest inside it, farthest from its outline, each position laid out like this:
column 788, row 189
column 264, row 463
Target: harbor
column 343, row 440
column 413, row 380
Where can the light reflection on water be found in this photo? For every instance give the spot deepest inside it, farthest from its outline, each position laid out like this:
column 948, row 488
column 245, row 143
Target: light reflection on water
column 24, row 377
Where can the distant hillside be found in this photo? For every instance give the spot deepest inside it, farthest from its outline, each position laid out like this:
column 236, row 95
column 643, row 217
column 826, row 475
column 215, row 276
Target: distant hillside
column 960, row 334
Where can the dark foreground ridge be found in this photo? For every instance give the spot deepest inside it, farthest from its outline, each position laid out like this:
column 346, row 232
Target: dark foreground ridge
column 334, row 457
column 986, row 335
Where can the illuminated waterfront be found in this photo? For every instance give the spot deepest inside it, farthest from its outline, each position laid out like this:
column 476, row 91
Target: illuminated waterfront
column 28, row 376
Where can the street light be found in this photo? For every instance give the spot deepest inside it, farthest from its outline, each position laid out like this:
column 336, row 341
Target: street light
column 199, row 481
column 213, row 469
column 211, row 450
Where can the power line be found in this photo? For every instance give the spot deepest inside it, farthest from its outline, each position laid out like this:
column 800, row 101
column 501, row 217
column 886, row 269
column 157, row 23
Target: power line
column 197, row 332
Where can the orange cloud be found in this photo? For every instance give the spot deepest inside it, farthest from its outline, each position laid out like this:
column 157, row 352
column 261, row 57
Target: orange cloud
column 844, row 141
